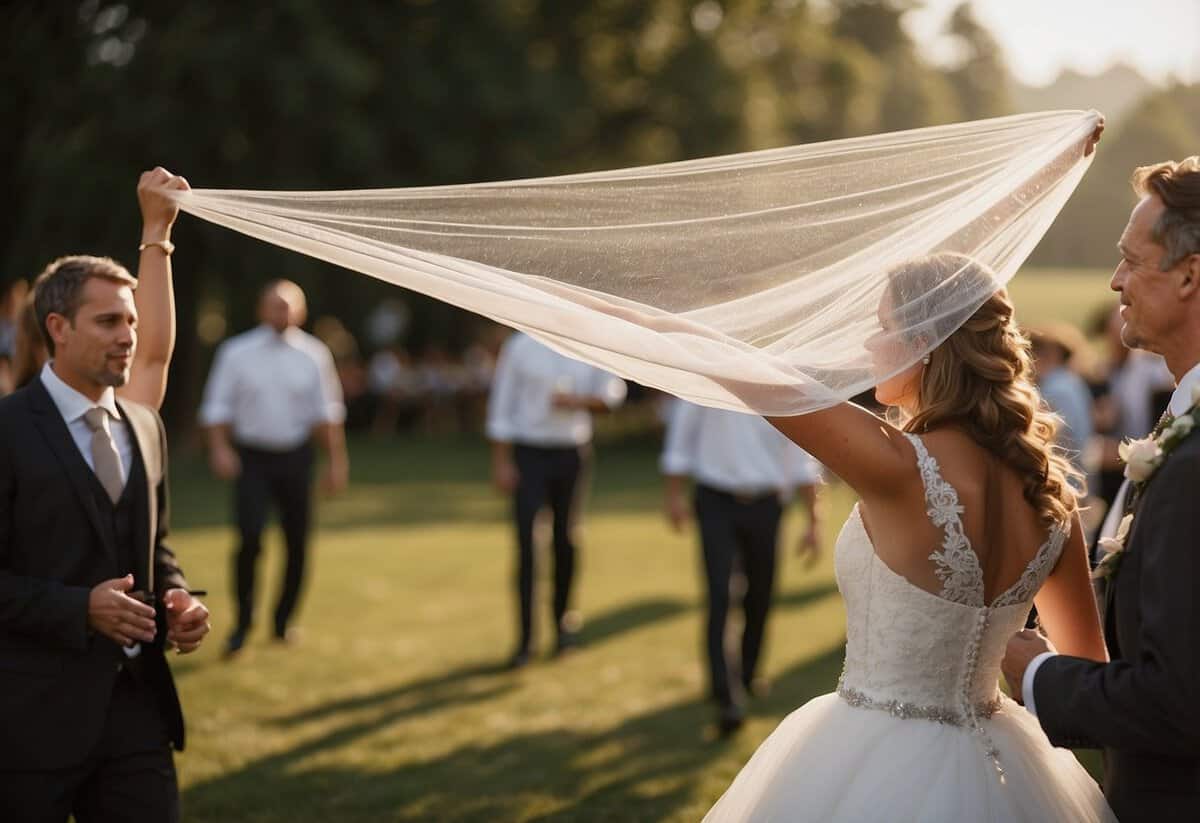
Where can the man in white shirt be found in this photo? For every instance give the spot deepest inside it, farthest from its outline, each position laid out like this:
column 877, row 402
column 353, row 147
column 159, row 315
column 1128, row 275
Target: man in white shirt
column 743, row 470
column 540, row 423
column 271, row 392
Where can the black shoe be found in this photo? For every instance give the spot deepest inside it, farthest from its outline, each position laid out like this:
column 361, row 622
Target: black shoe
column 233, row 646
column 729, row 720
column 568, row 642
column 518, row 661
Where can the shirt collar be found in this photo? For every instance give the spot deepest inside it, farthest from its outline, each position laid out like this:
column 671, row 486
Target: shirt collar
column 71, row 404
column 1181, row 400
column 269, row 335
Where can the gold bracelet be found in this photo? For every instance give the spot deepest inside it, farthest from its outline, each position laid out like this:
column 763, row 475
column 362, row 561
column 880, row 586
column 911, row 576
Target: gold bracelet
column 166, row 245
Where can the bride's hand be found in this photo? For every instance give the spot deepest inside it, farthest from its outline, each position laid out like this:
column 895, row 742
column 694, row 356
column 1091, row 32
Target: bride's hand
column 1090, row 146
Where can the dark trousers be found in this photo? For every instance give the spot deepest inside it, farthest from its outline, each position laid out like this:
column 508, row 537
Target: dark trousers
column 547, row 476
column 284, row 478
column 746, row 531
column 129, row 776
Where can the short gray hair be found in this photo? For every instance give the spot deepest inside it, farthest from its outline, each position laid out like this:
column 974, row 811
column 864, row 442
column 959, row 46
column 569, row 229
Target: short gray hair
column 1178, row 186
column 59, row 288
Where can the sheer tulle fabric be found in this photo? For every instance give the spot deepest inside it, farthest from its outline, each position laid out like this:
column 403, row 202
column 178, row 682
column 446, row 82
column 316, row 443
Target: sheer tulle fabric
column 749, row 282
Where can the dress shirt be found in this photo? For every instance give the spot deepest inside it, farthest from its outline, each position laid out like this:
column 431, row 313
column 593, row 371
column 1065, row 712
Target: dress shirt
column 272, row 388
column 1181, row 401
column 528, row 375
column 73, row 406
column 734, row 452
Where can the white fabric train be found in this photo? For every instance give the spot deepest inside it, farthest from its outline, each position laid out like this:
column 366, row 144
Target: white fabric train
column 749, row 282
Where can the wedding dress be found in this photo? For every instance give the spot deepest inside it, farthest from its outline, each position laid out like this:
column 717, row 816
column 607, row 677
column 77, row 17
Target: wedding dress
column 918, row 729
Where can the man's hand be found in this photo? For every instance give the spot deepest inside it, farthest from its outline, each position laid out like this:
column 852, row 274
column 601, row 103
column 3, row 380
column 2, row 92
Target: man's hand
column 505, row 475
column 158, row 210
column 336, row 476
column 226, row 465
column 678, row 512
column 809, row 547
column 1022, row 648
column 187, row 620
column 117, row 616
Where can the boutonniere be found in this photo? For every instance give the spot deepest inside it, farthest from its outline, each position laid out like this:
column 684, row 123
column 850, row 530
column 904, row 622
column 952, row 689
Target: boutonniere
column 1143, row 457
column 1114, row 548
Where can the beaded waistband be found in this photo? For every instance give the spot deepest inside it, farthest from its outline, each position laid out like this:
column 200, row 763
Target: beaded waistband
column 916, row 711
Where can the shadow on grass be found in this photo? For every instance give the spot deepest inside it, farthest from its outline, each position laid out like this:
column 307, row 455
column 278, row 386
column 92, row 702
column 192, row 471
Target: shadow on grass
column 645, row 768
column 630, row 616
column 468, row 684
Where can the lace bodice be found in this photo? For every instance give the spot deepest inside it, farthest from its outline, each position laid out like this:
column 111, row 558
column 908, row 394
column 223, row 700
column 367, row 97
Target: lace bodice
column 919, row 654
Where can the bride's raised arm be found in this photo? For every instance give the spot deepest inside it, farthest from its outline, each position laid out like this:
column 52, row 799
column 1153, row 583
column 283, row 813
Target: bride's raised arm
column 865, row 451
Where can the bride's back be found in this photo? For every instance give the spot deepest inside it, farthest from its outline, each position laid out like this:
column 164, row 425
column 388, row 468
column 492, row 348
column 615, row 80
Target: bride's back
column 1003, row 529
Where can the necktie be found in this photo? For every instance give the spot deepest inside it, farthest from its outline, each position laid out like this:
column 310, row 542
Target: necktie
column 106, row 460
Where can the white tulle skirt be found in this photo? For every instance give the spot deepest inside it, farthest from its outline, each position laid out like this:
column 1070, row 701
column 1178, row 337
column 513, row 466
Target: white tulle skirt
column 829, row 761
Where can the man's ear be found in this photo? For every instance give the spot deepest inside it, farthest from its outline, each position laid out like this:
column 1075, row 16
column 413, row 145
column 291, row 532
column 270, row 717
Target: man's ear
column 57, row 325
column 1189, row 284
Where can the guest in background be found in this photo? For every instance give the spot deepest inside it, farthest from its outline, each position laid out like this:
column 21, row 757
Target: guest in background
column 743, row 471
column 272, row 391
column 1064, row 390
column 540, row 423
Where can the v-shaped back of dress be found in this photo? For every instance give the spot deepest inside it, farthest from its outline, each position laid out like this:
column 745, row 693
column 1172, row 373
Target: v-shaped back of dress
column 916, row 653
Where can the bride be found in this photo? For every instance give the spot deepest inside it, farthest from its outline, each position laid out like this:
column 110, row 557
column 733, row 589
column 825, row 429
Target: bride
column 967, row 516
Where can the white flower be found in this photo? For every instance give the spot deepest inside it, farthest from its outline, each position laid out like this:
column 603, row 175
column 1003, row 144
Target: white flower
column 1196, row 394
column 1141, row 458
column 1182, row 426
column 1116, row 543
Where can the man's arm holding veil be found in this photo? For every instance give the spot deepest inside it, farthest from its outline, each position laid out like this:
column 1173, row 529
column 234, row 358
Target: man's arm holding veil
column 1147, row 703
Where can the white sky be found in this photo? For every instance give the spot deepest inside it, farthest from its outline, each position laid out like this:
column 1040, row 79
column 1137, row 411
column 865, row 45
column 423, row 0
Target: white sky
column 1161, row 38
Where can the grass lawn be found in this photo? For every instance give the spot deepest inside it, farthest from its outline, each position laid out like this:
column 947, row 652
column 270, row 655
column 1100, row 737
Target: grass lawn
column 394, row 706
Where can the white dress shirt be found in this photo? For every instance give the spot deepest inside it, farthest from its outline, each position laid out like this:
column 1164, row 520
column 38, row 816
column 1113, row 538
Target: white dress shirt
column 272, row 388
column 528, row 375
column 733, row 452
column 73, row 406
column 1181, row 401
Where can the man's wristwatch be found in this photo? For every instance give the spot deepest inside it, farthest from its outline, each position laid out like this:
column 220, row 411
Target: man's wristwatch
column 166, row 245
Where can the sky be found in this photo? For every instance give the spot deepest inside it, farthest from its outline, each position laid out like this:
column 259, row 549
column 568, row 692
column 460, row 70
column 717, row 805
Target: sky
column 1161, row 38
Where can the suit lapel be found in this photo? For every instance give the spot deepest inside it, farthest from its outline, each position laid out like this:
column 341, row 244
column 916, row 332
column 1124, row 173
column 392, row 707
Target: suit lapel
column 144, row 440
column 58, row 437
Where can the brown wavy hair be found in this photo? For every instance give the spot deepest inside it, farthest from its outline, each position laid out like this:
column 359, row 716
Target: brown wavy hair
column 979, row 379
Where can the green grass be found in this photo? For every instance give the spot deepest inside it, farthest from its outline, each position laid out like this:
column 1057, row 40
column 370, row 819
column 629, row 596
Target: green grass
column 1065, row 295
column 394, row 707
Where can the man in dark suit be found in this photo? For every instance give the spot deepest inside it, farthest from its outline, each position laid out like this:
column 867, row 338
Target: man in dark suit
column 1143, row 707
column 89, row 595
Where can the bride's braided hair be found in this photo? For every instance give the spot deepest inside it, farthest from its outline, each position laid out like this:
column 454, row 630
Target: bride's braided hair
column 980, row 379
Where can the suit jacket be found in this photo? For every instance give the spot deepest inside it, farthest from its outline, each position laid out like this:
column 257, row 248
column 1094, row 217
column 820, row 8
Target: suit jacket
column 56, row 676
column 1143, row 707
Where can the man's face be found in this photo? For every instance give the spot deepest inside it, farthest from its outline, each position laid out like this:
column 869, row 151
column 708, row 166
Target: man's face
column 98, row 346
column 1150, row 304
column 280, row 308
